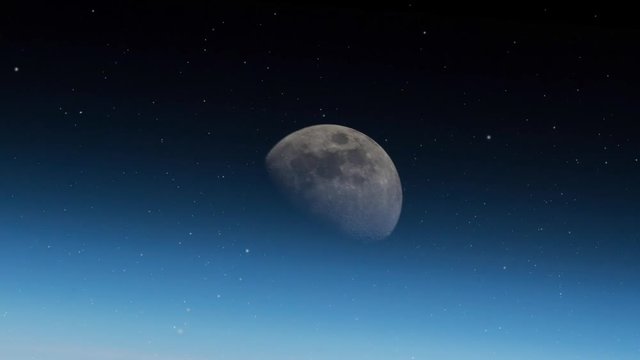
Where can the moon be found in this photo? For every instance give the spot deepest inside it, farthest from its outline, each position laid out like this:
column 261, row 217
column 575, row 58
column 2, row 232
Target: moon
column 341, row 176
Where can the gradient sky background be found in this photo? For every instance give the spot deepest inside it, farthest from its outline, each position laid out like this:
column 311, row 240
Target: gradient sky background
column 137, row 220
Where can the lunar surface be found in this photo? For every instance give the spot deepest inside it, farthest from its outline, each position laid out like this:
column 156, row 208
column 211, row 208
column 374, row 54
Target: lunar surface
column 342, row 177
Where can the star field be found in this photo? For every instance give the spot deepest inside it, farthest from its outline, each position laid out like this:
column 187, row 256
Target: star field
column 138, row 221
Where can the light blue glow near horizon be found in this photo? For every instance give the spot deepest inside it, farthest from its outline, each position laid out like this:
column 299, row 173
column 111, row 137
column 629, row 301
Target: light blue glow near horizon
column 95, row 301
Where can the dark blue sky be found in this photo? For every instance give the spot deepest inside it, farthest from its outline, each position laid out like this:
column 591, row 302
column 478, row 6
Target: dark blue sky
column 137, row 220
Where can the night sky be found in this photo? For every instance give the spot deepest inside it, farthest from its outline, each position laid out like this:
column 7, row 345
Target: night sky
column 138, row 221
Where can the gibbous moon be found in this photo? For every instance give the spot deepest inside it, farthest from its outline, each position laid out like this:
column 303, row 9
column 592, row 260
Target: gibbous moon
column 341, row 176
